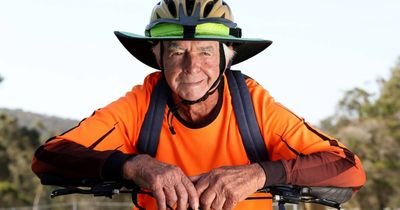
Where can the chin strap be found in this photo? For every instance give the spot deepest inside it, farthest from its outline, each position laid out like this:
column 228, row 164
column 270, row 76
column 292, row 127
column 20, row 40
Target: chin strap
column 214, row 86
column 173, row 111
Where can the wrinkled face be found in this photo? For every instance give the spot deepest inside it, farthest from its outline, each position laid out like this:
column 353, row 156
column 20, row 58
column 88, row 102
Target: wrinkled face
column 191, row 67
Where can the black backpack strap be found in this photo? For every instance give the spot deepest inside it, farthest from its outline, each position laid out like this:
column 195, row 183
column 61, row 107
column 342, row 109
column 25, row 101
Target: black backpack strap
column 151, row 128
column 243, row 107
column 244, row 110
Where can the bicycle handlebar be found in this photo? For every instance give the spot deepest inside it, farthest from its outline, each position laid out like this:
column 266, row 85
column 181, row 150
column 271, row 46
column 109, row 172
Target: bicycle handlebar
column 328, row 196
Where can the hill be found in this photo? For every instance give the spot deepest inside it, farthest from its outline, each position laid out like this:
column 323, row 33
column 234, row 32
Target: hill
column 47, row 126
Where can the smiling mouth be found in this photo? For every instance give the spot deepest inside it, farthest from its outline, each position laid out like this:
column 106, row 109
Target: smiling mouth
column 192, row 83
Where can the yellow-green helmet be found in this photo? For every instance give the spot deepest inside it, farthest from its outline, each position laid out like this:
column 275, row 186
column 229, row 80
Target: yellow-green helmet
column 175, row 9
column 190, row 20
column 171, row 9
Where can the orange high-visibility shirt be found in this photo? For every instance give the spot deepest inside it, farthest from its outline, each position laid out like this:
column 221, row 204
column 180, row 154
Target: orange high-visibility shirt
column 218, row 142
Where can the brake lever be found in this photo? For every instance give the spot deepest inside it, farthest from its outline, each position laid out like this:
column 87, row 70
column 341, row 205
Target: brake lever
column 295, row 194
column 322, row 201
column 106, row 189
column 67, row 191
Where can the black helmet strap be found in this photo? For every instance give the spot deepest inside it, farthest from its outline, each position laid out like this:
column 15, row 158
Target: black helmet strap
column 210, row 91
column 214, row 86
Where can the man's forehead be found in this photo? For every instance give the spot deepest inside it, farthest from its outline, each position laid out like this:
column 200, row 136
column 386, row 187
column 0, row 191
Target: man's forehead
column 195, row 44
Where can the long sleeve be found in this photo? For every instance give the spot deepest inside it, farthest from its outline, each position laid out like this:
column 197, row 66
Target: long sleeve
column 301, row 154
column 318, row 159
column 83, row 151
column 316, row 169
column 99, row 145
column 69, row 159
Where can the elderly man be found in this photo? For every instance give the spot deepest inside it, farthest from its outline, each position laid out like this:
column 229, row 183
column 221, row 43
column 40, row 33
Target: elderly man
column 181, row 134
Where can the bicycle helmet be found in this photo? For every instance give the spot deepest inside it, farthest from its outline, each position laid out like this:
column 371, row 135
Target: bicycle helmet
column 190, row 20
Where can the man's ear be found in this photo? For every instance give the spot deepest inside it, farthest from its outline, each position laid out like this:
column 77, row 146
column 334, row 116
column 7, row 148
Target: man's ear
column 229, row 53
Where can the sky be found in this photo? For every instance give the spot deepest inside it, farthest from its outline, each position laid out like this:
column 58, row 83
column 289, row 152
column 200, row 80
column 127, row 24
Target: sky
column 61, row 58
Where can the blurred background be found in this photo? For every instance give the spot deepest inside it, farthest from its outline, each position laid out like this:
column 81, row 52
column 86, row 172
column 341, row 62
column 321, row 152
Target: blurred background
column 335, row 63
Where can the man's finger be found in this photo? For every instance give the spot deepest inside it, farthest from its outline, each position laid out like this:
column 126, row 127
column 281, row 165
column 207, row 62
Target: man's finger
column 229, row 204
column 218, row 202
column 192, row 194
column 170, row 196
column 182, row 196
column 160, row 197
column 206, row 199
column 195, row 178
column 201, row 185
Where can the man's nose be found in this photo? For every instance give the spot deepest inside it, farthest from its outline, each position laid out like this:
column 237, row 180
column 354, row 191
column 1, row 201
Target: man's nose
column 191, row 62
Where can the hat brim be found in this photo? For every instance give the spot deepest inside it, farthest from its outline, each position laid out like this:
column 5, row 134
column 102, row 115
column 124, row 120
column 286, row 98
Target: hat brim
column 141, row 47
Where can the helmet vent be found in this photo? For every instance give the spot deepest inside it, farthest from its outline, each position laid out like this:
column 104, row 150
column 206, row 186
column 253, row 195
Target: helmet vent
column 171, row 7
column 189, row 7
column 208, row 8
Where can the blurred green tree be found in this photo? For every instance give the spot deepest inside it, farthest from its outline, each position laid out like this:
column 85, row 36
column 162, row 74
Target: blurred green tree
column 371, row 128
column 21, row 133
column 16, row 150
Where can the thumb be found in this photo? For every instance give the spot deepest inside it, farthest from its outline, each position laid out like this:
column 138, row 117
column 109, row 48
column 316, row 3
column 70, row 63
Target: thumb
column 195, row 178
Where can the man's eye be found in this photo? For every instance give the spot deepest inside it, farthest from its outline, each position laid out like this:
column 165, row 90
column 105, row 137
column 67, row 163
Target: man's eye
column 177, row 53
column 206, row 53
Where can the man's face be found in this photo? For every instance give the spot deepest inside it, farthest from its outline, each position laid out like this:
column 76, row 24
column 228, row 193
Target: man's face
column 191, row 67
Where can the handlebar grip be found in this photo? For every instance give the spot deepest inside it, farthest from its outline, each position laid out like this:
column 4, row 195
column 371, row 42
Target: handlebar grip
column 337, row 194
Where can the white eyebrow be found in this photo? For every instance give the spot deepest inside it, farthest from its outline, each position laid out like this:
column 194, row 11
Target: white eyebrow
column 208, row 48
column 174, row 47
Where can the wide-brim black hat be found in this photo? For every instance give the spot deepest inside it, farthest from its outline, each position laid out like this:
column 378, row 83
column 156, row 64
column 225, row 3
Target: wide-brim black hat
column 141, row 46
